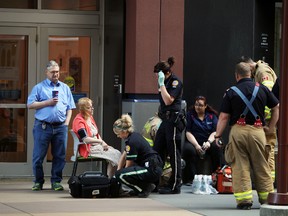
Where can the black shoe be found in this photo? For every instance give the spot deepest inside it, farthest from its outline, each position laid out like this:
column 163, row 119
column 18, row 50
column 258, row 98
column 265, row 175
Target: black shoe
column 168, row 190
column 244, row 206
column 146, row 192
column 156, row 190
column 189, row 183
column 133, row 193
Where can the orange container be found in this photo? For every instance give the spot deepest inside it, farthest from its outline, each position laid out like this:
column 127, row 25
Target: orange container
column 224, row 180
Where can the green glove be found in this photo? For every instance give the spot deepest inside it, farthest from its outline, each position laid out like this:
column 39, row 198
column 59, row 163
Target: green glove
column 161, row 78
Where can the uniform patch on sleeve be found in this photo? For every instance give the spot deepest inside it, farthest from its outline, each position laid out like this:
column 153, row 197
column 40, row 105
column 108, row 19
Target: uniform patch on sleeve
column 175, row 83
column 127, row 148
column 226, row 92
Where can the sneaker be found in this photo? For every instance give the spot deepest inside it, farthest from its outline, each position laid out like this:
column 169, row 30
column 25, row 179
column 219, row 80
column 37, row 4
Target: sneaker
column 244, row 206
column 168, row 190
column 37, row 186
column 57, row 186
column 146, row 192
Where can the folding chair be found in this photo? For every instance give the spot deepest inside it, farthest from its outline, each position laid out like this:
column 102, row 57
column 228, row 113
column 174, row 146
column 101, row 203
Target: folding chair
column 77, row 158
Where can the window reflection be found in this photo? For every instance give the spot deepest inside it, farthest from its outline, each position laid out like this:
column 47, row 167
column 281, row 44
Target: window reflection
column 13, row 93
column 73, row 55
column 82, row 5
column 21, row 4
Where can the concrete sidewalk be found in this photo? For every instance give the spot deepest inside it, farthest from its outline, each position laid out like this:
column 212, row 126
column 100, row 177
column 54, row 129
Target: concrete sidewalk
column 17, row 199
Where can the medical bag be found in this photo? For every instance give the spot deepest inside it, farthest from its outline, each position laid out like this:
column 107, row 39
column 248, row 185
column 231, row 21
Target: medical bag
column 92, row 184
column 222, row 180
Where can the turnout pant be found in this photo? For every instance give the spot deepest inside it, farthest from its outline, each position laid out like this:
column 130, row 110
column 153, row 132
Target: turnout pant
column 247, row 150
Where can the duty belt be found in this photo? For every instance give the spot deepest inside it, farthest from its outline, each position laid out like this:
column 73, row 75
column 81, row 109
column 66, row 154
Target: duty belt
column 167, row 114
column 51, row 123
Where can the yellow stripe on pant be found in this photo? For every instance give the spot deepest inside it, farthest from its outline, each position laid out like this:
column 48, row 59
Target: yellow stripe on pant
column 240, row 197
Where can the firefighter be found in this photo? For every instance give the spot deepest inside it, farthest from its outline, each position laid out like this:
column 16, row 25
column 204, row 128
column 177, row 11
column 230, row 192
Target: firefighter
column 263, row 73
column 243, row 106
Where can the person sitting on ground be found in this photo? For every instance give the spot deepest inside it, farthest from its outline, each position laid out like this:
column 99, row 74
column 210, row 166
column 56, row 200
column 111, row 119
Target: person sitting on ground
column 140, row 166
column 86, row 129
column 201, row 126
column 150, row 128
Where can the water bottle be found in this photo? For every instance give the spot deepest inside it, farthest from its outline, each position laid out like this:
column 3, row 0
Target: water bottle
column 212, row 190
column 196, row 184
column 203, row 187
column 202, row 154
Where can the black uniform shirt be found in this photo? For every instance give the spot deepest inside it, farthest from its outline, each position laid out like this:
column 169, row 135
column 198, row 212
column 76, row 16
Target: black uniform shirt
column 138, row 149
column 174, row 87
column 234, row 105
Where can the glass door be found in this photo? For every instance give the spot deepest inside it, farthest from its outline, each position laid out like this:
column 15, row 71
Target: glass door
column 76, row 51
column 17, row 52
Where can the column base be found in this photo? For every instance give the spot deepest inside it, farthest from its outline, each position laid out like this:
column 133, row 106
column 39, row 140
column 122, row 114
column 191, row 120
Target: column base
column 277, row 199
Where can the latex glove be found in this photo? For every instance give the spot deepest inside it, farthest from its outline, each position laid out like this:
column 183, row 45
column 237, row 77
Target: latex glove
column 161, row 78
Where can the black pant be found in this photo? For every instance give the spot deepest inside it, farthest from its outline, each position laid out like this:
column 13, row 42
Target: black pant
column 168, row 142
column 191, row 157
column 139, row 177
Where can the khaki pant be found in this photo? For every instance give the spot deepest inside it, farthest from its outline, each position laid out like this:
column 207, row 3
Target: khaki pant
column 247, row 150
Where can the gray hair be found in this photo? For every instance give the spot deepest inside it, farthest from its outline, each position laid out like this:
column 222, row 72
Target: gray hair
column 52, row 66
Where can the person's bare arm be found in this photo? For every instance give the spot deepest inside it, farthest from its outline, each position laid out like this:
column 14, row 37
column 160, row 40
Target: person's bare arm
column 122, row 161
column 41, row 104
column 167, row 98
column 68, row 117
column 221, row 125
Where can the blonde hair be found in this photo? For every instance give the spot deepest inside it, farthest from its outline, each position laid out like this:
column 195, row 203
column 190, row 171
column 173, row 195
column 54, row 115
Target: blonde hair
column 83, row 106
column 123, row 124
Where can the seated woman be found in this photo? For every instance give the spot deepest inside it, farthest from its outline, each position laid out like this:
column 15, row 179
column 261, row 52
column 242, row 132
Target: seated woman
column 86, row 129
column 201, row 127
column 142, row 165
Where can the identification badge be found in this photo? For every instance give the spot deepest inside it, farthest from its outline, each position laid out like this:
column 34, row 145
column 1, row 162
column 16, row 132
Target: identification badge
column 43, row 125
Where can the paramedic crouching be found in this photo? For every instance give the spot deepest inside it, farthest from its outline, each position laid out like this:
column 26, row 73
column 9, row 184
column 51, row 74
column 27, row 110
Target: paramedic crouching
column 142, row 165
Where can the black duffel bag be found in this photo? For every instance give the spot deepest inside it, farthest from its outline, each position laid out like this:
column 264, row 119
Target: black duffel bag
column 75, row 188
column 94, row 185
column 91, row 184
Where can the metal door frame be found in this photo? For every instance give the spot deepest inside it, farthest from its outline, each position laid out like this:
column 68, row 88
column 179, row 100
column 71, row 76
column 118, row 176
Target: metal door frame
column 23, row 168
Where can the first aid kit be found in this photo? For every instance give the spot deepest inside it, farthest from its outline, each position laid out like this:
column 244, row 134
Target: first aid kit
column 91, row 184
column 222, row 179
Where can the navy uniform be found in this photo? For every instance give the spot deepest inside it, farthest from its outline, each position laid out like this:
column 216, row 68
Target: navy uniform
column 148, row 164
column 168, row 138
column 247, row 147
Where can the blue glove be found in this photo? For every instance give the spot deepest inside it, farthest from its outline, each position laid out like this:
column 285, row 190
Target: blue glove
column 161, row 78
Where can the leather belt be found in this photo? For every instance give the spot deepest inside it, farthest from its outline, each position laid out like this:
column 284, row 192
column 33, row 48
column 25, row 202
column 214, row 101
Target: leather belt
column 51, row 123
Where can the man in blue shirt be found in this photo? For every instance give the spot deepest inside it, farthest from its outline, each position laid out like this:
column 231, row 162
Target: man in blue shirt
column 53, row 103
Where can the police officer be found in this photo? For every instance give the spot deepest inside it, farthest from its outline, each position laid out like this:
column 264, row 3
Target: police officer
column 247, row 146
column 168, row 138
column 142, row 165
